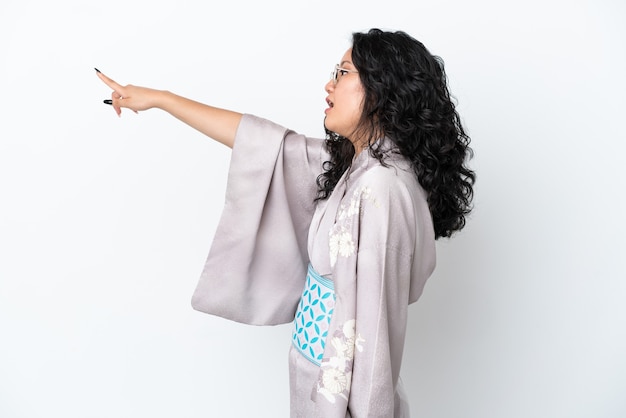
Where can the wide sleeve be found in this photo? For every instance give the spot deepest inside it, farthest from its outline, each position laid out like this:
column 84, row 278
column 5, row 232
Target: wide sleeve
column 394, row 229
column 256, row 266
column 392, row 269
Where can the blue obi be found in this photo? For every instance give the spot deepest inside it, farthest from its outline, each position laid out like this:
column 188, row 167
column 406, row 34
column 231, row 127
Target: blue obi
column 313, row 316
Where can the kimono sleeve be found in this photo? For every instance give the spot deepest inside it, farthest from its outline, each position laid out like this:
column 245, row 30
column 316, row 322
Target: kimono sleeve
column 389, row 270
column 256, row 266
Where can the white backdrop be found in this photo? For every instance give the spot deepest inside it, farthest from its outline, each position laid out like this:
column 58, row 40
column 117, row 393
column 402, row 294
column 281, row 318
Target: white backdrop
column 105, row 222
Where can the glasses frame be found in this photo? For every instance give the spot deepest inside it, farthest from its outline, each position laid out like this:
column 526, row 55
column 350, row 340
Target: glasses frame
column 334, row 75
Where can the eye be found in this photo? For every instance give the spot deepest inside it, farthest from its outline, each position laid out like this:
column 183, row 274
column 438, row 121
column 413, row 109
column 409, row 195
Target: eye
column 342, row 72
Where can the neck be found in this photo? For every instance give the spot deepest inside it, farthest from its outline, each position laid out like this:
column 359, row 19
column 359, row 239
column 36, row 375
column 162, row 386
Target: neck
column 359, row 145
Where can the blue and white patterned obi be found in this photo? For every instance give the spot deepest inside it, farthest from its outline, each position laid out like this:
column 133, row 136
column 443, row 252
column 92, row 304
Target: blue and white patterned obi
column 313, row 316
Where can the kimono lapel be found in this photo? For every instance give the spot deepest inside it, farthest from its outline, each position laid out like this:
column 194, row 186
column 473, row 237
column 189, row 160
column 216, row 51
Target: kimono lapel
column 332, row 390
column 323, row 220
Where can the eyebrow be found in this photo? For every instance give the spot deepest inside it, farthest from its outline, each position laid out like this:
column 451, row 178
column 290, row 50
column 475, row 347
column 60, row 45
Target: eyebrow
column 345, row 62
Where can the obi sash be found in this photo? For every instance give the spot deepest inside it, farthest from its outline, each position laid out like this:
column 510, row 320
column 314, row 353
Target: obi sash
column 313, row 316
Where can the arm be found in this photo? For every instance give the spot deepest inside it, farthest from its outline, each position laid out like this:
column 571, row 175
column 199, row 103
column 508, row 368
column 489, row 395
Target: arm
column 270, row 193
column 216, row 123
column 395, row 257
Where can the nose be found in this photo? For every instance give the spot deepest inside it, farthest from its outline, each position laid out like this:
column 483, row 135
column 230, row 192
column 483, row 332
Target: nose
column 329, row 86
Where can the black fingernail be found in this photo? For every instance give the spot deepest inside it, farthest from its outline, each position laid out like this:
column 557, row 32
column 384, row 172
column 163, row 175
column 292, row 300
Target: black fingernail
column 96, row 69
column 108, row 101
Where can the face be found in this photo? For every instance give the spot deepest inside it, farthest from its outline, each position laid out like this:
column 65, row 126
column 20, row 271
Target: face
column 345, row 100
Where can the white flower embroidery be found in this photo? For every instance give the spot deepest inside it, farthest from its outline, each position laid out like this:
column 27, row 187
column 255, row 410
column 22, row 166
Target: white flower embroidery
column 352, row 340
column 353, row 207
column 337, row 369
column 340, row 243
column 340, row 361
column 335, row 381
column 349, row 328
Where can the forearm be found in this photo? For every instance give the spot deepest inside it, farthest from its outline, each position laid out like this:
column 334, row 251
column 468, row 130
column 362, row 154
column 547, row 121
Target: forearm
column 219, row 124
column 216, row 123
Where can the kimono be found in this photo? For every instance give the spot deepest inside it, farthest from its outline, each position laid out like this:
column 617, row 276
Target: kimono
column 357, row 258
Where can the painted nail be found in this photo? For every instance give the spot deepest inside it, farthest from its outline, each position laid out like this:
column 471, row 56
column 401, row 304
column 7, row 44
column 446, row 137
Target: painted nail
column 108, row 101
column 96, row 69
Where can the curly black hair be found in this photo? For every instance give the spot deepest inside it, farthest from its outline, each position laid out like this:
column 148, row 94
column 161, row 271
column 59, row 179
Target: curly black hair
column 408, row 101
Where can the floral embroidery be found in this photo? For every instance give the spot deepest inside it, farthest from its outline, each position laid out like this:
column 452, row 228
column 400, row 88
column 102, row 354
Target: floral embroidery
column 352, row 208
column 337, row 370
column 336, row 367
column 334, row 381
column 341, row 242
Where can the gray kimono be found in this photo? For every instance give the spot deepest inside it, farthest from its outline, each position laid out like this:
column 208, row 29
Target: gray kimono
column 364, row 254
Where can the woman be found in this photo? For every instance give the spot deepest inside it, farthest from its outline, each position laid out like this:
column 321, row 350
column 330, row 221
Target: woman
column 353, row 219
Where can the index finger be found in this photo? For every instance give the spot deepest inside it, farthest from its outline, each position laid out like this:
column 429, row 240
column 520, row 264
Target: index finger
column 106, row 80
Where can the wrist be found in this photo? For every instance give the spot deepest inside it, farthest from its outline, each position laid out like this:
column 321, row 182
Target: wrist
column 162, row 99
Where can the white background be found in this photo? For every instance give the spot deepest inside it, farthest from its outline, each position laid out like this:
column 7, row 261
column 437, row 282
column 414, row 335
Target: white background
column 105, row 223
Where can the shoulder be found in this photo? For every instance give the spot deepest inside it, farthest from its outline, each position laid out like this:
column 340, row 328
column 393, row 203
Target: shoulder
column 391, row 194
column 394, row 181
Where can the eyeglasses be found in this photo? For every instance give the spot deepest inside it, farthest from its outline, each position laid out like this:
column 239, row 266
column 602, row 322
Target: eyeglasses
column 339, row 72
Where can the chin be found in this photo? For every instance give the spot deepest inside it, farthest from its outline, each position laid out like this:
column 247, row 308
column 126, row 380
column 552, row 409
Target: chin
column 327, row 127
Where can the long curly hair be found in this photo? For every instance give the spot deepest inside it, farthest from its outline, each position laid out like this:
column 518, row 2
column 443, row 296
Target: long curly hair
column 408, row 101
